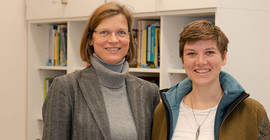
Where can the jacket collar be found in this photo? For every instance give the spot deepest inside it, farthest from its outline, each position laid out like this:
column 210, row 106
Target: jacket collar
column 134, row 87
column 232, row 89
column 172, row 98
column 89, row 85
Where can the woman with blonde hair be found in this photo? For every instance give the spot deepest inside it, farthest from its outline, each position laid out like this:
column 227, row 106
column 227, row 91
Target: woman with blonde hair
column 102, row 101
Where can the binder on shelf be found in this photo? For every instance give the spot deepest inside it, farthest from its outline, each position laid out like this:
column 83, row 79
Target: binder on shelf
column 47, row 83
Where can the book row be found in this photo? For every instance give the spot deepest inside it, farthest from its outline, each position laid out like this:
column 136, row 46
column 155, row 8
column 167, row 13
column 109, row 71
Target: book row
column 147, row 38
column 57, row 45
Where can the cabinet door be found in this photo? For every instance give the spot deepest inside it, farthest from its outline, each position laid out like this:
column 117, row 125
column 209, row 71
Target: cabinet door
column 41, row 9
column 167, row 5
column 78, row 8
column 139, row 6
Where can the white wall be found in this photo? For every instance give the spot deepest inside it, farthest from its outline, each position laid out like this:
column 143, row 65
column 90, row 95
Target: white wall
column 249, row 53
column 13, row 70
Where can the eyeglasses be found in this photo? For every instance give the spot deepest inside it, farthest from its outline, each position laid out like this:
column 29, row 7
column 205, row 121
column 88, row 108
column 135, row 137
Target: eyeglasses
column 121, row 34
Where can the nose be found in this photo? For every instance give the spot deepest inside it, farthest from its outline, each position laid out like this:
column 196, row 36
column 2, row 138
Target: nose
column 201, row 59
column 113, row 37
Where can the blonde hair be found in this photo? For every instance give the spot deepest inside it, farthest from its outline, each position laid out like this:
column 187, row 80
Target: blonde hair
column 105, row 11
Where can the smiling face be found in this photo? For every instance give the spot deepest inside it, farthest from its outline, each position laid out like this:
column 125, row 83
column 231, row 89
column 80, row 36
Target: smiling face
column 114, row 48
column 202, row 61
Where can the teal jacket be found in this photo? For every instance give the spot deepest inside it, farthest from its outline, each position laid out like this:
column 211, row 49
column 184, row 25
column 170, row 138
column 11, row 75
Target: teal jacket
column 234, row 94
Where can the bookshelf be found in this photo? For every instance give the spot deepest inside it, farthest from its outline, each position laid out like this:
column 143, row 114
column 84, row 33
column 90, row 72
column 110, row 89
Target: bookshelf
column 173, row 16
column 169, row 70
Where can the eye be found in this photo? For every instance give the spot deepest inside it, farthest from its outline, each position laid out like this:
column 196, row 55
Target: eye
column 122, row 33
column 191, row 53
column 210, row 52
column 104, row 33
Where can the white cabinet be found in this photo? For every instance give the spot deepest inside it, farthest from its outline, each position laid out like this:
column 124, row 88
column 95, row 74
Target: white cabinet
column 168, row 5
column 52, row 9
column 139, row 6
column 245, row 4
column 40, row 9
column 81, row 8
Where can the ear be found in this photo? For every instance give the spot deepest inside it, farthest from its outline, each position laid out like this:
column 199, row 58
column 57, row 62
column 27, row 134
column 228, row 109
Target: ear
column 182, row 60
column 224, row 59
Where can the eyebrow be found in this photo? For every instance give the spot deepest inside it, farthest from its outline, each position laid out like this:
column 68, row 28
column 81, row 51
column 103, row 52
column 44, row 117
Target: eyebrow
column 211, row 48
column 189, row 50
column 105, row 28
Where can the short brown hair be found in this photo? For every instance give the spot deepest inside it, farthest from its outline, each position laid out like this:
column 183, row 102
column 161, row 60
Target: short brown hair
column 105, row 11
column 202, row 30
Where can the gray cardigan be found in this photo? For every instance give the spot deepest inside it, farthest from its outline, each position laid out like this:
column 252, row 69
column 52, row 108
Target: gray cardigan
column 75, row 109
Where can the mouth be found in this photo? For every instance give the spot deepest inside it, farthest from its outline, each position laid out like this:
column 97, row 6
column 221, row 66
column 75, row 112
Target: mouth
column 201, row 71
column 112, row 49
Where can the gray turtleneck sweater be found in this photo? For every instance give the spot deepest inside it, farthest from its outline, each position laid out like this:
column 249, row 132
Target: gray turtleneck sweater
column 111, row 79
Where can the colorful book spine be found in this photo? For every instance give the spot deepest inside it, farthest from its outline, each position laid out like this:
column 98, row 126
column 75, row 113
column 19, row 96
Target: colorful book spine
column 153, row 42
column 144, row 64
column 149, row 44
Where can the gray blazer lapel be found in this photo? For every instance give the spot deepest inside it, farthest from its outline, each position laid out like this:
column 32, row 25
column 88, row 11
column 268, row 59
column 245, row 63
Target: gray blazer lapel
column 133, row 90
column 88, row 83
